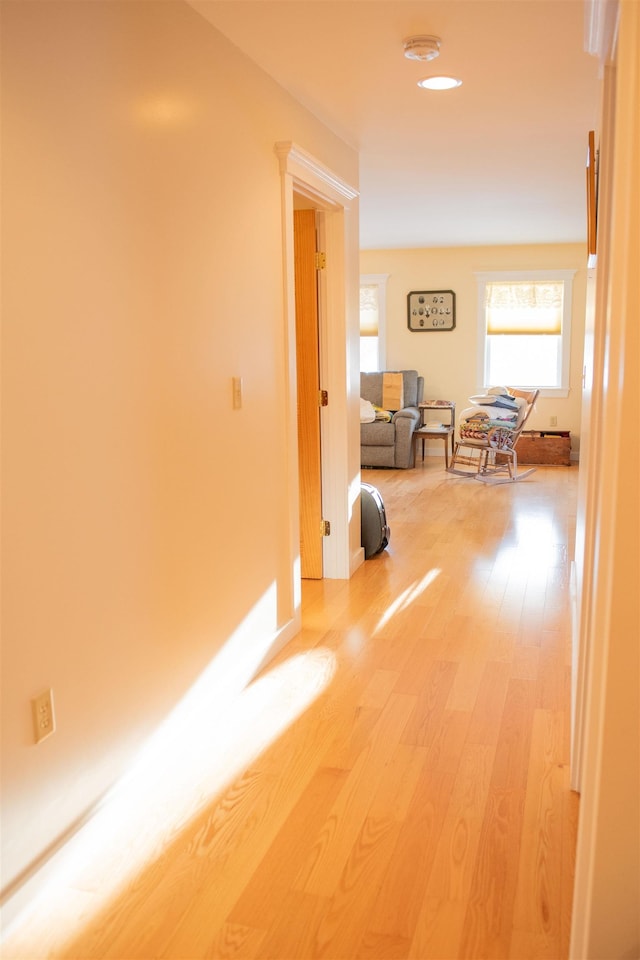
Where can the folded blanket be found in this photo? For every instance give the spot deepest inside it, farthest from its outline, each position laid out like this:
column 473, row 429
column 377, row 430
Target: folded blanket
column 477, row 422
column 381, row 414
column 367, row 411
column 469, row 412
column 495, row 400
column 503, row 418
column 480, row 428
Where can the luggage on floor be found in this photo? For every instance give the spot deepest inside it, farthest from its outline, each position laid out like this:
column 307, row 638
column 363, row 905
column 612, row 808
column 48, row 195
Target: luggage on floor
column 375, row 532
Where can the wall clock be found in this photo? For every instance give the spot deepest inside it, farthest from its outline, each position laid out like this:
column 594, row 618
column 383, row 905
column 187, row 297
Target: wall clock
column 431, row 310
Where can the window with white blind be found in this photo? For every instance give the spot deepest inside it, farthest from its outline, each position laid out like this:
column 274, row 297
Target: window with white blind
column 524, row 323
column 373, row 301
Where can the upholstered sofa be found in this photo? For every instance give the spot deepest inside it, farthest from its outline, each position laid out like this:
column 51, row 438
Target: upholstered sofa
column 390, row 443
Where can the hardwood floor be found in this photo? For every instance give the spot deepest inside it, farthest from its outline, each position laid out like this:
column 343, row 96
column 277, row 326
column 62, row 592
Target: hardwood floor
column 417, row 805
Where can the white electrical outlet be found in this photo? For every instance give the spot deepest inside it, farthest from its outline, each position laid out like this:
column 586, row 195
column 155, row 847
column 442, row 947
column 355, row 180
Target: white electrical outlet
column 44, row 721
column 553, row 421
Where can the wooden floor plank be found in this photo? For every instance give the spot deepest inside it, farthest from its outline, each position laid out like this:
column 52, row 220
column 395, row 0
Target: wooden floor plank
column 334, row 841
column 235, row 942
column 355, row 893
column 489, row 914
column 538, row 906
column 440, row 925
column 294, row 925
column 404, row 883
column 274, row 877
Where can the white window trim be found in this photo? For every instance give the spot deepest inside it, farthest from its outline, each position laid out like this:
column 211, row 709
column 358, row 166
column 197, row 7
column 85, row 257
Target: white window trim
column 379, row 280
column 491, row 276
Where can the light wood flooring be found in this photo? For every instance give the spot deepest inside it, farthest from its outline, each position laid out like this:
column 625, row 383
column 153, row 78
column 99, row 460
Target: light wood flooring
column 418, row 805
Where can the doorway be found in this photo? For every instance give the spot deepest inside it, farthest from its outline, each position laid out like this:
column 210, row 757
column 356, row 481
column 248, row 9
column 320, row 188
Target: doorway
column 308, row 389
column 305, row 178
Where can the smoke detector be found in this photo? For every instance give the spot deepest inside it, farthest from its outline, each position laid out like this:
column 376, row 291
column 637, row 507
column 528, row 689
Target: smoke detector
column 421, row 48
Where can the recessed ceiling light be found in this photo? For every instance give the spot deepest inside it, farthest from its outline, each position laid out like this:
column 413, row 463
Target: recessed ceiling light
column 439, row 83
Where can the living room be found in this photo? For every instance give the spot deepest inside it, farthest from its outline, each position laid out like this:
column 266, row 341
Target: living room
column 448, row 359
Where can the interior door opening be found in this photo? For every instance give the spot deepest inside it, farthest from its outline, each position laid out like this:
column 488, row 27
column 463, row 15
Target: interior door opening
column 308, row 393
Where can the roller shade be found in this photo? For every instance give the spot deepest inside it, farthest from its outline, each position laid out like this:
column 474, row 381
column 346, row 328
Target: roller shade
column 524, row 308
column 369, row 311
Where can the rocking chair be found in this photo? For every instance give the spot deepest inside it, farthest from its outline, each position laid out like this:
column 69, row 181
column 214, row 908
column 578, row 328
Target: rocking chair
column 493, row 459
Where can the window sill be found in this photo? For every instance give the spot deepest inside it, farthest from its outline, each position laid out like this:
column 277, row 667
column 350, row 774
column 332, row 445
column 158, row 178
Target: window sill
column 554, row 392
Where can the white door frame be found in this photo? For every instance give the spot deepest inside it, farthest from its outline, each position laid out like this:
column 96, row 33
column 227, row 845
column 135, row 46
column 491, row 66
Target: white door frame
column 337, row 220
column 607, row 871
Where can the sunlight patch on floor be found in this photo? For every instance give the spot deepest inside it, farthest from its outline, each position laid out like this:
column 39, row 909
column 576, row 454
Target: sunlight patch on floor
column 538, row 544
column 407, row 597
column 196, row 754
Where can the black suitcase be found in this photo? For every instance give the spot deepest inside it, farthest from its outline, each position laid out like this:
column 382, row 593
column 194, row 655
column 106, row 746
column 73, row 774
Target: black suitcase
column 375, row 532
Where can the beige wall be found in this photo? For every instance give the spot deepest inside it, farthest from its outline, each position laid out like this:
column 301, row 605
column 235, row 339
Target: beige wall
column 448, row 360
column 142, row 270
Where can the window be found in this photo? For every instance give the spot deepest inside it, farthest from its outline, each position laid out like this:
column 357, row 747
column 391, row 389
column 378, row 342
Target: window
column 373, row 298
column 525, row 330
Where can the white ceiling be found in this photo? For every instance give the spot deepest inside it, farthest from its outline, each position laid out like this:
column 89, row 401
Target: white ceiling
column 500, row 159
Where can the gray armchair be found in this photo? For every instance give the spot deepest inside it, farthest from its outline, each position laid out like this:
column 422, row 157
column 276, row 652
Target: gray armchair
column 384, row 444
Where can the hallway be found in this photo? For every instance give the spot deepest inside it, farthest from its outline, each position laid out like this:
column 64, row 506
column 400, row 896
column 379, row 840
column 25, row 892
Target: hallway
column 416, row 802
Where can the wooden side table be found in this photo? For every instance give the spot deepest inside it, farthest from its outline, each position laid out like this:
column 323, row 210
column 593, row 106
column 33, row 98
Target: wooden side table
column 444, row 432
